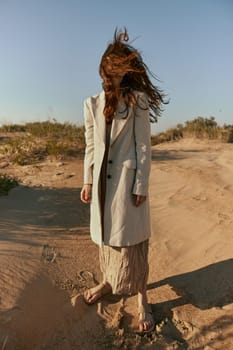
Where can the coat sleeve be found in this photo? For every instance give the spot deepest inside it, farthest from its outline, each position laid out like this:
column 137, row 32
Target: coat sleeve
column 89, row 139
column 142, row 132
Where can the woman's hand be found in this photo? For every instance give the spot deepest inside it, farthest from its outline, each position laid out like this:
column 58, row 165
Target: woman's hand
column 138, row 200
column 85, row 195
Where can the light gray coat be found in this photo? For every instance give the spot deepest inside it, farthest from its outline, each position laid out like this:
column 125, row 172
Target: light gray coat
column 128, row 171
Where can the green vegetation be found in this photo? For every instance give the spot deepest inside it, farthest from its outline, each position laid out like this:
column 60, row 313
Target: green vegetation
column 201, row 128
column 6, row 184
column 33, row 142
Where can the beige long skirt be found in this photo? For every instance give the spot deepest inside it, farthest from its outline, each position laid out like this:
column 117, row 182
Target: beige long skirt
column 124, row 268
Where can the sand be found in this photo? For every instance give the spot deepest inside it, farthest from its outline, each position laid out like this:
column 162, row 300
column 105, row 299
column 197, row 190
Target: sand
column 47, row 258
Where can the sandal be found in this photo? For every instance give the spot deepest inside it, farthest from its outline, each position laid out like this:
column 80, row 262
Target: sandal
column 146, row 319
column 92, row 295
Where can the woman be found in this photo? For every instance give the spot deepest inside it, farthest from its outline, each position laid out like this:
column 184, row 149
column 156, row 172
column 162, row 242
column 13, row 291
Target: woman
column 116, row 173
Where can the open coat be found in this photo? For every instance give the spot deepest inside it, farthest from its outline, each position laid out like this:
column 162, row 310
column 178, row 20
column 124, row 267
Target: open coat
column 128, row 168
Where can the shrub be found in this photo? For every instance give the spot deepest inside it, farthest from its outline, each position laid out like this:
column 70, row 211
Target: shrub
column 13, row 128
column 169, row 135
column 202, row 128
column 6, row 184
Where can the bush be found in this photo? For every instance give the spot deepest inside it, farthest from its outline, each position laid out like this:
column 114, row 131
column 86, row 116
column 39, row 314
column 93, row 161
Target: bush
column 13, row 128
column 201, row 128
column 169, row 135
column 6, row 184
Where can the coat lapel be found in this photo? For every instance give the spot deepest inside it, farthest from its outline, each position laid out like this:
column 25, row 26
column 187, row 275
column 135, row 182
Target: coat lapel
column 98, row 108
column 119, row 121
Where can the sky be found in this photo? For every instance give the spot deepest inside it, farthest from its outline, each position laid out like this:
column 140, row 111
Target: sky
column 50, row 52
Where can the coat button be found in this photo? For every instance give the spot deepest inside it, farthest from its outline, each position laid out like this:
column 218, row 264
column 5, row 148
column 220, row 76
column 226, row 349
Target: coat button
column 110, row 161
column 109, row 176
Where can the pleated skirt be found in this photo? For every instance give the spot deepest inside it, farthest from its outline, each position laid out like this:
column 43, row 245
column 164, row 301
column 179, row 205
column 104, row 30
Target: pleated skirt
column 125, row 268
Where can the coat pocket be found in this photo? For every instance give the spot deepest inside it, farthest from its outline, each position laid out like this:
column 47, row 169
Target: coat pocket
column 130, row 163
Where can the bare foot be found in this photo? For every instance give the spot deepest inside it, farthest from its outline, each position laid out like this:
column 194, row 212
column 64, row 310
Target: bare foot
column 93, row 294
column 146, row 321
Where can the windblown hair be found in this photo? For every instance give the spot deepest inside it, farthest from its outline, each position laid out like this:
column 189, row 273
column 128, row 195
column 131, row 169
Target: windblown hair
column 121, row 59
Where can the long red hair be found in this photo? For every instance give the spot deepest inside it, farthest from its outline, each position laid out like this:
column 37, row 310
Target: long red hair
column 124, row 60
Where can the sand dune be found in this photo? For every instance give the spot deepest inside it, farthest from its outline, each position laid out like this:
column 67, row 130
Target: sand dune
column 47, row 258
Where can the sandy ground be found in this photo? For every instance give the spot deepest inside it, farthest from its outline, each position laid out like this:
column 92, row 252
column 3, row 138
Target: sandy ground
column 47, row 258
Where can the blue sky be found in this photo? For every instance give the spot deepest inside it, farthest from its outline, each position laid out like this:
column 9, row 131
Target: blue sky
column 50, row 52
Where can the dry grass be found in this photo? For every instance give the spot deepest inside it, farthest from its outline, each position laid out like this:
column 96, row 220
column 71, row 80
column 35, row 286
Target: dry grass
column 201, row 128
column 33, row 142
